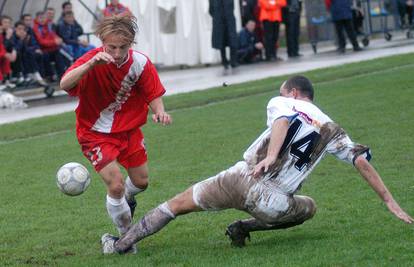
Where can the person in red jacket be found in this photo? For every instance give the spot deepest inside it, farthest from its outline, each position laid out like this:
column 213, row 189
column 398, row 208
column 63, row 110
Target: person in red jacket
column 4, row 63
column 116, row 8
column 50, row 44
column 270, row 14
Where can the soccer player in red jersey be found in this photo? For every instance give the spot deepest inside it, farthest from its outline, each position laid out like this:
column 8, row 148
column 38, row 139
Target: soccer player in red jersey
column 116, row 86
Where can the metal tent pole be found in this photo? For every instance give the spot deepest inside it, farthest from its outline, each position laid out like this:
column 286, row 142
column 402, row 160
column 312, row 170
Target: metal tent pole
column 2, row 6
column 23, row 7
column 89, row 10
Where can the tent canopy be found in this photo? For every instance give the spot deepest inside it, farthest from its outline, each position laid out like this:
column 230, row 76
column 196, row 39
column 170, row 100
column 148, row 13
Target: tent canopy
column 172, row 32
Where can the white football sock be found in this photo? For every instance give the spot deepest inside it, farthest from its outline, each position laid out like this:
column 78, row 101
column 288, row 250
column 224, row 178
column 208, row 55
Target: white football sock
column 130, row 189
column 120, row 213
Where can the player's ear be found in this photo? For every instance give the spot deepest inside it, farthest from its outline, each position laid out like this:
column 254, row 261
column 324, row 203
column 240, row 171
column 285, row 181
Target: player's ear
column 295, row 93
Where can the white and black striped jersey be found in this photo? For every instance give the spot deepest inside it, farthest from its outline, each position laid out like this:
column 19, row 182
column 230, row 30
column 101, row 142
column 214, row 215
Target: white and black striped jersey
column 311, row 135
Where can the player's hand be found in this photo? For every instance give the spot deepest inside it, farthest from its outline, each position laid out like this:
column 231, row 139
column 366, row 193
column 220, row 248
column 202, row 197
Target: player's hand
column 101, row 58
column 397, row 211
column 162, row 117
column 262, row 167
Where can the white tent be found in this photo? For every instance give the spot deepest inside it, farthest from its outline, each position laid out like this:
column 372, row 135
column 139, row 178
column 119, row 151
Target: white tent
column 172, row 32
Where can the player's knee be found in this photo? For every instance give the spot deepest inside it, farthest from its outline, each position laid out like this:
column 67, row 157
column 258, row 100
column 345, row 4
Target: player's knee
column 141, row 182
column 116, row 187
column 311, row 208
column 182, row 203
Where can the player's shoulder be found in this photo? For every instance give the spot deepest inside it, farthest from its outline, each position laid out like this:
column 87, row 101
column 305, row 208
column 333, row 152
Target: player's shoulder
column 278, row 101
column 140, row 57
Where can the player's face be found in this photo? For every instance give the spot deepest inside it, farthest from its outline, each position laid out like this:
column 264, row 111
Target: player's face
column 117, row 47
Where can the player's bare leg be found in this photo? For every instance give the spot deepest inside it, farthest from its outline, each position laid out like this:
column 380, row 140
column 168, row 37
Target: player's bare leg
column 154, row 221
column 116, row 204
column 136, row 182
column 302, row 210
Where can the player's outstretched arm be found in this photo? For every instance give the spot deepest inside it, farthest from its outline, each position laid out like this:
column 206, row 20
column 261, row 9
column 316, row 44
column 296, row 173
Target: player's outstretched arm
column 157, row 107
column 72, row 78
column 374, row 180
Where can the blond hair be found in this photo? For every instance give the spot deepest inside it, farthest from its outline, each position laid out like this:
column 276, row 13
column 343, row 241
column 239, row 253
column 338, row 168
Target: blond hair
column 122, row 25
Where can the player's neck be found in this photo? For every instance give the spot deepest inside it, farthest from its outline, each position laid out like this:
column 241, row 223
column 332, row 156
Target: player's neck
column 303, row 99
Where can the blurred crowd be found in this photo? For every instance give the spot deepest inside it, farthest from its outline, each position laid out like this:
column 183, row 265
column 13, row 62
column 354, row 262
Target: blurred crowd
column 261, row 20
column 259, row 38
column 37, row 51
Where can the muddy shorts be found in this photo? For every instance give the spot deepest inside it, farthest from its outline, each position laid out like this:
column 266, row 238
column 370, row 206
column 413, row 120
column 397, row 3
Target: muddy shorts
column 235, row 188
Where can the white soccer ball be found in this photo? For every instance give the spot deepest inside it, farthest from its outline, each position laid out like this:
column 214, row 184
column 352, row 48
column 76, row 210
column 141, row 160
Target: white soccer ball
column 73, row 179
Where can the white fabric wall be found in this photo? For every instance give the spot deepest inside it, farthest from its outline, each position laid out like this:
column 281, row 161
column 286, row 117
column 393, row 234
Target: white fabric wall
column 189, row 45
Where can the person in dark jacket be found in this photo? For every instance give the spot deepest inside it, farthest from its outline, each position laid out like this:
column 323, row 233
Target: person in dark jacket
column 291, row 18
column 341, row 13
column 70, row 30
column 224, row 30
column 250, row 49
column 30, row 58
column 248, row 10
column 405, row 9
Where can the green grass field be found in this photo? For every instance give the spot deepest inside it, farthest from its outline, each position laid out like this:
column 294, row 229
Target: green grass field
column 372, row 100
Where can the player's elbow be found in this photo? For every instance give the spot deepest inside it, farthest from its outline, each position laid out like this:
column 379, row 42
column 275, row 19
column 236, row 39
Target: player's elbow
column 65, row 84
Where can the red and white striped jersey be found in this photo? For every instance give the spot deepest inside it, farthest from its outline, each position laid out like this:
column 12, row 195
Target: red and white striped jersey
column 115, row 98
column 311, row 135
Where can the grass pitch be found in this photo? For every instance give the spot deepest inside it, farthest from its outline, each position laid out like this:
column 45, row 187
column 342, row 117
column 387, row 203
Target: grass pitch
column 372, row 100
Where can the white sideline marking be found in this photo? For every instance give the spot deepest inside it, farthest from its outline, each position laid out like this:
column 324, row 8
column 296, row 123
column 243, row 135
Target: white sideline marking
column 33, row 137
column 216, row 102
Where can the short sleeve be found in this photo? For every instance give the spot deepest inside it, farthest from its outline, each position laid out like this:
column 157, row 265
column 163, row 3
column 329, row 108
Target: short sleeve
column 277, row 108
column 80, row 61
column 344, row 149
column 150, row 84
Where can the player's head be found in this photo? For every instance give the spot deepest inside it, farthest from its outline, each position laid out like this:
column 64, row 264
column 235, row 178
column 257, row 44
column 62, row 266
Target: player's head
column 297, row 87
column 117, row 34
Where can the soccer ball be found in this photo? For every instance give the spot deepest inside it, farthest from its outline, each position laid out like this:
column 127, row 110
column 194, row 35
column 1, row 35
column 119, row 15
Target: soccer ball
column 73, row 179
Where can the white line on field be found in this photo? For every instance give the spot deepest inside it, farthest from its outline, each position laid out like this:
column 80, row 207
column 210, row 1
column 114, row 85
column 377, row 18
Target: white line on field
column 33, row 137
column 213, row 103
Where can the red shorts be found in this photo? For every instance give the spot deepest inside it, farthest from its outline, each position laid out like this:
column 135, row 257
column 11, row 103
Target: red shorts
column 101, row 148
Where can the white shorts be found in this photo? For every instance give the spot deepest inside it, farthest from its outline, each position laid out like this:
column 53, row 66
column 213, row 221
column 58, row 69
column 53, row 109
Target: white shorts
column 236, row 188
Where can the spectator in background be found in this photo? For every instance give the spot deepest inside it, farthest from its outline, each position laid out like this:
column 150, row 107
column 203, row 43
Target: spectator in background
column 250, row 49
column 50, row 44
column 4, row 61
column 405, row 9
column 291, row 18
column 50, row 15
column 270, row 14
column 224, row 31
column 70, row 31
column 248, row 10
column 28, row 22
column 116, row 8
column 11, row 55
column 30, row 58
column 66, row 6
column 341, row 14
